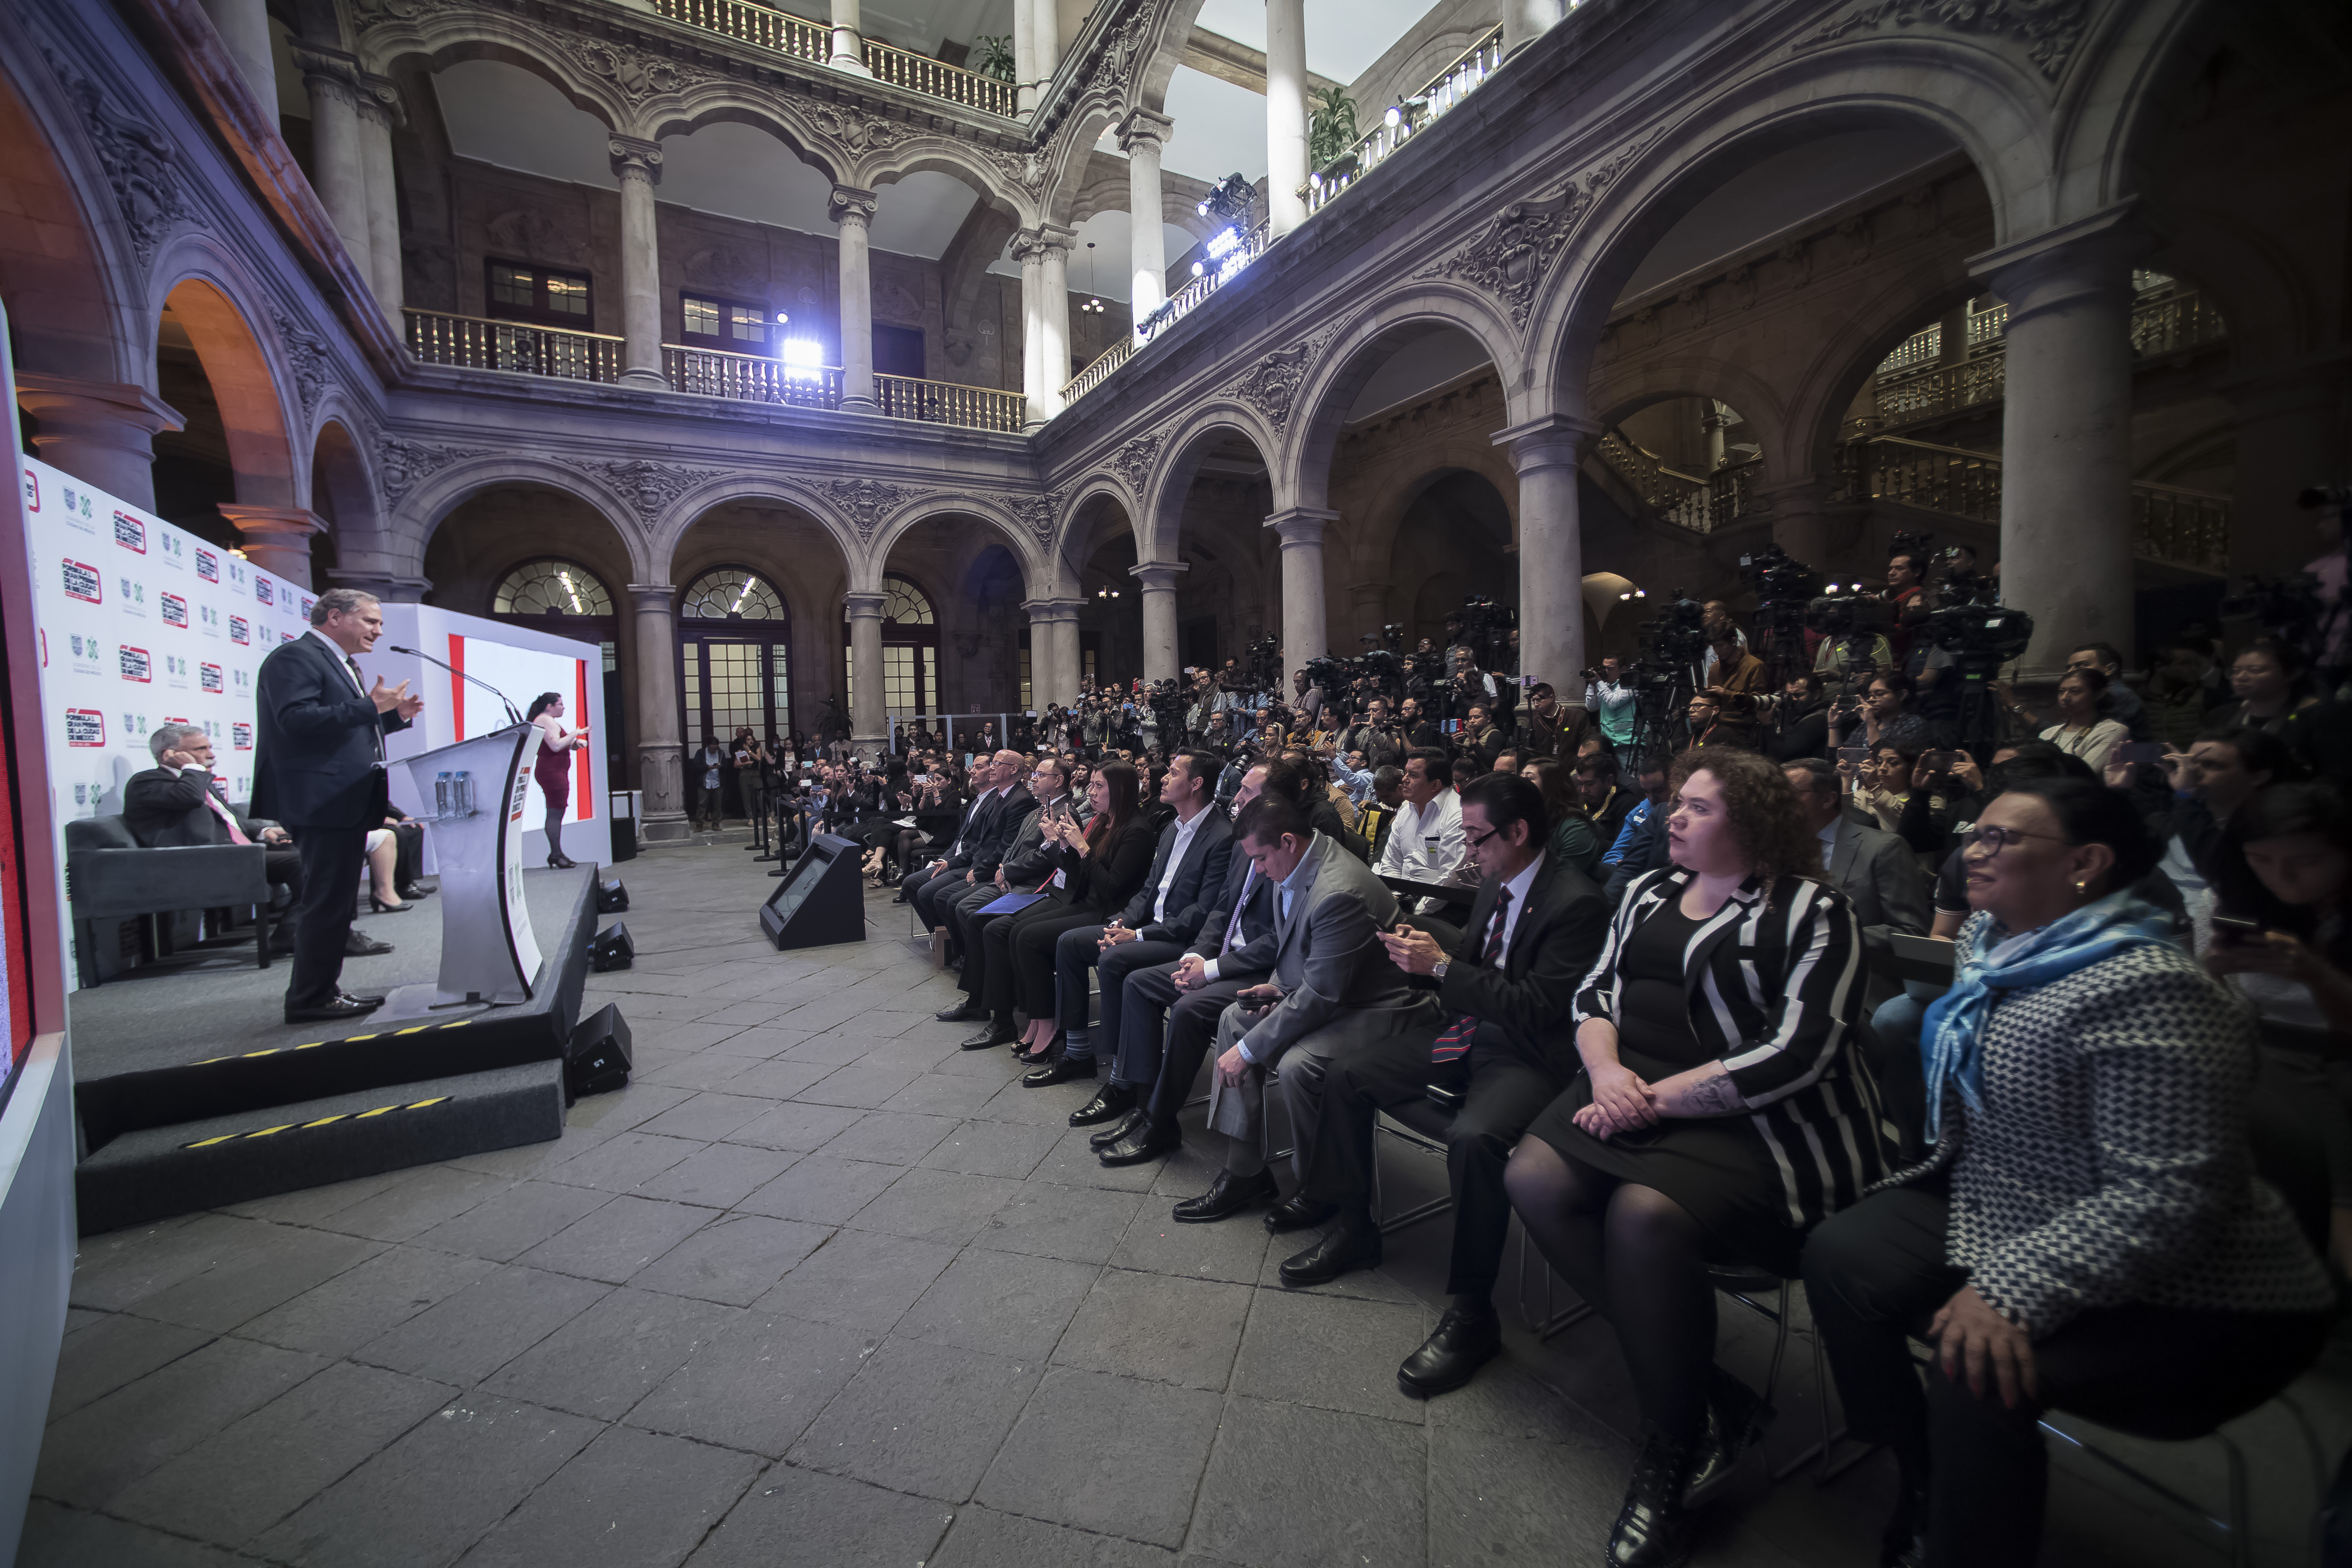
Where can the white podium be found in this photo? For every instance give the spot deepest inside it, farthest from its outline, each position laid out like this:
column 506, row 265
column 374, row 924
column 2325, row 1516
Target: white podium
column 474, row 794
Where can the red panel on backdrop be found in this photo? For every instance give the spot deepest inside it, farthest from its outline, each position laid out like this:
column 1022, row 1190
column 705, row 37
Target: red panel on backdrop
column 457, row 685
column 580, row 764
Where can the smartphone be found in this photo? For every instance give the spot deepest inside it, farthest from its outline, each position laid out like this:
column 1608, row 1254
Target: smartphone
column 1857, row 756
column 1939, row 762
column 2148, row 751
column 2230, row 931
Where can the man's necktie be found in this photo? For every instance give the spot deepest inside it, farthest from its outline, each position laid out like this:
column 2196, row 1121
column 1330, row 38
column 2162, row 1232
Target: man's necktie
column 228, row 819
column 1451, row 1045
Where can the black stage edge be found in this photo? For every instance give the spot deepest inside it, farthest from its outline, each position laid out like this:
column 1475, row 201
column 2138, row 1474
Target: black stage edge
column 174, row 1122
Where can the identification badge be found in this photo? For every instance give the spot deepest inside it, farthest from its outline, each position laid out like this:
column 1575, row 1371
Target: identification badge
column 1061, row 878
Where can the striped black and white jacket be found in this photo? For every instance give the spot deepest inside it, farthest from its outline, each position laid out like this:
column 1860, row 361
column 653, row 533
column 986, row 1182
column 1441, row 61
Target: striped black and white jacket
column 1774, row 980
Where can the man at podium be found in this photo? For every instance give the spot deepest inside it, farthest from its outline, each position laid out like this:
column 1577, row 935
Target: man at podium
column 319, row 769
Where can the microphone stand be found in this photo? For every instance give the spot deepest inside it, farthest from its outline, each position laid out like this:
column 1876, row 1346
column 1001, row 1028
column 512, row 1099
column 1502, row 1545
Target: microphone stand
column 513, row 715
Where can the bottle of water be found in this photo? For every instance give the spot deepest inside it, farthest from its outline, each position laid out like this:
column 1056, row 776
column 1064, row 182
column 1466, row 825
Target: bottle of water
column 461, row 788
column 441, row 794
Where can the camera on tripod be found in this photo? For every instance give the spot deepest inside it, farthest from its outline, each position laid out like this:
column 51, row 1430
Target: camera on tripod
column 1784, row 587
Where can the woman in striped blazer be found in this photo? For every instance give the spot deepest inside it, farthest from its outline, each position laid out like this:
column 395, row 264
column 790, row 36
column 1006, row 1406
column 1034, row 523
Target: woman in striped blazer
column 1722, row 1112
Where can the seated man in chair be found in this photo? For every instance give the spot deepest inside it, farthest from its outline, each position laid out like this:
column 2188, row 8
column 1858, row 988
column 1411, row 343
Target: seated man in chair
column 1506, row 1050
column 178, row 803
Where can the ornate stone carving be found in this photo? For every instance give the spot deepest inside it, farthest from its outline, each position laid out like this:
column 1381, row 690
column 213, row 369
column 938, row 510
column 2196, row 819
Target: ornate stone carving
column 1509, row 257
column 850, row 204
column 865, row 502
column 857, row 132
column 1027, row 169
column 375, row 13
column 1040, row 514
column 1134, row 460
column 639, row 75
column 1271, row 384
column 648, row 487
column 2049, row 29
column 306, row 356
column 138, row 161
column 402, row 465
column 536, row 234
column 894, row 301
column 724, row 267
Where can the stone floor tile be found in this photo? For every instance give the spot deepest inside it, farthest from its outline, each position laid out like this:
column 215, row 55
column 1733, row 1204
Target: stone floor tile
column 909, row 1053
column 110, row 1442
column 720, row 1176
column 942, row 1094
column 1016, row 1101
column 308, row 1206
column 625, row 1161
column 862, row 1278
column 826, row 1049
column 115, row 1349
column 1157, row 1244
column 420, row 1200
column 766, row 1044
column 269, row 1266
column 1002, row 1302
column 122, row 1267
column 247, row 1477
column 531, row 1160
column 995, row 1065
column 822, row 1190
column 623, row 1108
column 890, row 1137
column 698, row 1070
column 472, row 1334
column 856, row 1084
column 58, row 1537
column 1330, row 1351
column 1495, row 1498
column 1365, row 1505
column 430, row 1495
column 1072, row 1162
column 363, row 1303
column 618, row 1239
column 772, row 1079
column 1011, row 1149
column 968, row 1401
column 758, row 1385
column 516, row 1220
column 630, row 1499
column 1361, row 1284
column 1080, row 1224
column 735, row 1258
column 804, row 1517
column 611, row 1355
column 794, row 1128
column 941, row 1205
column 1508, row 1400
column 983, row 1538
column 708, row 1116
column 1105, row 1453
column 1170, row 1329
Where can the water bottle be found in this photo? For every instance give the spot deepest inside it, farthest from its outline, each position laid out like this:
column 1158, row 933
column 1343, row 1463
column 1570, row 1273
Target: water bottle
column 461, row 789
column 441, row 794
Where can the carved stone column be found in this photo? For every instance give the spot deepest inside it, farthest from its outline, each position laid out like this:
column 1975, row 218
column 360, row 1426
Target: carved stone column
column 848, row 39
column 1303, row 633
column 1551, row 550
column 637, row 164
column 1069, row 658
column 1041, row 406
column 869, row 696
column 1043, row 253
column 853, row 210
column 1158, row 580
column 1286, row 114
column 244, row 29
column 101, row 433
column 1141, row 136
column 338, row 165
column 378, row 115
column 2065, row 503
column 1525, row 21
column 276, row 539
column 1371, row 602
column 1026, row 73
column 661, row 753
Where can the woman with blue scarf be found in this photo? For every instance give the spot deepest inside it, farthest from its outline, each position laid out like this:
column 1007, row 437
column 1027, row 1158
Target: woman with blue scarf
column 2087, row 1232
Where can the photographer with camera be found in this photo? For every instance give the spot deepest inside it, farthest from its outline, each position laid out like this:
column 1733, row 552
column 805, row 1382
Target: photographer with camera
column 1612, row 701
column 1800, row 719
column 1468, row 685
column 1376, row 737
column 1416, row 729
column 1549, row 729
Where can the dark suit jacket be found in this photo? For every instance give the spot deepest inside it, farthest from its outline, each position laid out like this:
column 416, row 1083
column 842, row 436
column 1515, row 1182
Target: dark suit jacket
column 1107, row 881
column 1553, row 946
column 165, row 808
column 988, row 848
column 978, row 828
column 1253, row 952
column 317, row 741
column 1199, row 878
column 1880, row 877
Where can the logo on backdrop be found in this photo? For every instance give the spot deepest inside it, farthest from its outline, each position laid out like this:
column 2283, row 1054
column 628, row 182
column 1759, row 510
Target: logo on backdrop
column 87, row 654
column 85, row 726
column 241, row 736
column 209, row 676
column 261, row 591
column 175, row 671
column 32, row 491
column 83, row 582
column 208, row 620
column 308, row 604
column 129, row 532
column 134, row 597
column 239, row 631
column 207, row 564
column 134, row 664
column 175, row 610
column 81, row 510
column 171, row 550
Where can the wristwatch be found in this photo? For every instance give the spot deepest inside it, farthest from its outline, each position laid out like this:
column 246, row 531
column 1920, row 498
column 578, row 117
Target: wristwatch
column 1437, row 970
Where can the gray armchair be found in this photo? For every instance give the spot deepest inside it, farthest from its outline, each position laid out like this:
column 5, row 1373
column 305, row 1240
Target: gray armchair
column 109, row 878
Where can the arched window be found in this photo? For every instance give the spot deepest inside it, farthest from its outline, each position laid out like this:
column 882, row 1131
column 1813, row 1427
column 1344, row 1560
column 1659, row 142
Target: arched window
column 910, row 649
column 735, row 656
column 550, row 588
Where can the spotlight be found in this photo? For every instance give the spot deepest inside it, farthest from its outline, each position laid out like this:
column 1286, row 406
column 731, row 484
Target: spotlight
column 1196, row 269
column 781, row 318
column 612, row 949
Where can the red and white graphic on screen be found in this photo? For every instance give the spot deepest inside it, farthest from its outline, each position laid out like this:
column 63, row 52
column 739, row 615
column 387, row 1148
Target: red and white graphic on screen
column 129, row 532
column 262, row 591
column 84, row 582
column 240, row 630
column 209, row 676
column 175, row 610
column 134, row 664
column 241, row 736
column 85, row 726
column 207, row 566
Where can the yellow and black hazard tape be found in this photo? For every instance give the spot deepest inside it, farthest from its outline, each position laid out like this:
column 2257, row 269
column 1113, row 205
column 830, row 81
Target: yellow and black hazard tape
column 321, row 1122
column 345, row 1040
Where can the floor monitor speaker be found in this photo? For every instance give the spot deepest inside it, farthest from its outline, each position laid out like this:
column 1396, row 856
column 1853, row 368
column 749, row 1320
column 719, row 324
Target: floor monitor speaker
column 596, row 1058
column 821, row 901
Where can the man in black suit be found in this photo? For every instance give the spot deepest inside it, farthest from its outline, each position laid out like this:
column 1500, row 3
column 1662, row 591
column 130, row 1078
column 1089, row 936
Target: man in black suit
column 1188, row 870
column 994, row 781
column 1027, row 860
column 179, row 802
column 1507, row 1048
column 318, row 768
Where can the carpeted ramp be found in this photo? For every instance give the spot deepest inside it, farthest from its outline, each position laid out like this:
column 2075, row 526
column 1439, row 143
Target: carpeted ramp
column 192, row 1093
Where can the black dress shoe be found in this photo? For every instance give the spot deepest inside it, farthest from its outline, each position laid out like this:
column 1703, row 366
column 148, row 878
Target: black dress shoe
column 1348, row 1247
column 340, row 1009
column 1061, row 1070
column 1653, row 1530
column 1297, row 1214
column 964, row 1012
column 1134, row 1121
column 360, row 998
column 1735, row 1414
column 1145, row 1140
column 1112, row 1102
column 1463, row 1342
column 1228, row 1194
column 414, row 891
column 360, row 946
column 991, row 1037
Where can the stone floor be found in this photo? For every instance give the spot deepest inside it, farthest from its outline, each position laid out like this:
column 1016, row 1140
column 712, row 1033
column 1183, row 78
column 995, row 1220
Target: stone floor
column 819, row 1288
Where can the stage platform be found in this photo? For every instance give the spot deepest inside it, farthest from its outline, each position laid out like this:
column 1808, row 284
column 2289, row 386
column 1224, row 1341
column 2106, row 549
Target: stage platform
column 192, row 1090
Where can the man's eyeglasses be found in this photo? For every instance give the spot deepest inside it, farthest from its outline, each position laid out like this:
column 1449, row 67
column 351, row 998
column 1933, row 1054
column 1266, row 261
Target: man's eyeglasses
column 1993, row 840
column 1480, row 841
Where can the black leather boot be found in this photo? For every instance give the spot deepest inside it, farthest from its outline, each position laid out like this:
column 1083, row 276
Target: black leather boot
column 1653, row 1530
column 1735, row 1415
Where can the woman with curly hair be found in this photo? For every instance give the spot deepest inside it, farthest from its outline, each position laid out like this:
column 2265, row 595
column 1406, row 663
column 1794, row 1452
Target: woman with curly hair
column 1723, row 1111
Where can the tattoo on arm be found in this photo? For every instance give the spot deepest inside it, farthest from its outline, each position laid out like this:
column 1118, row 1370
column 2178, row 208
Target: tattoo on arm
column 1716, row 1096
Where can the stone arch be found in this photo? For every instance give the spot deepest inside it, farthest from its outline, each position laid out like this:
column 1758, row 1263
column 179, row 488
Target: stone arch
column 678, row 517
column 1336, row 373
column 1160, row 515
column 1024, row 526
column 70, row 310
column 717, row 102
column 342, row 495
column 427, row 504
column 1763, row 405
column 998, row 183
column 1138, row 58
column 1074, row 545
column 209, row 296
column 2123, row 102
column 1621, row 204
column 1372, row 539
column 1814, row 416
column 574, row 67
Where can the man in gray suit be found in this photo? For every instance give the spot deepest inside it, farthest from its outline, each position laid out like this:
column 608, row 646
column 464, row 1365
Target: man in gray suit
column 1333, row 989
column 1874, row 868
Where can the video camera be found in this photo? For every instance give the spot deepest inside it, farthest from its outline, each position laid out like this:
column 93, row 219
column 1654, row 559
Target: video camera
column 1676, row 634
column 1784, row 588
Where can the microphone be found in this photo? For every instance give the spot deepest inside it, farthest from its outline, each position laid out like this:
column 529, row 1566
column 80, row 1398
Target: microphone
column 513, row 717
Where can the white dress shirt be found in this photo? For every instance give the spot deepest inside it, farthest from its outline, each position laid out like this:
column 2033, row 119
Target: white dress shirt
column 1425, row 844
column 1828, row 836
column 1184, row 832
column 342, row 660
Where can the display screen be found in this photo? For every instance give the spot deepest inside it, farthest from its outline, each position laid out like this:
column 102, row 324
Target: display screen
column 786, row 900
